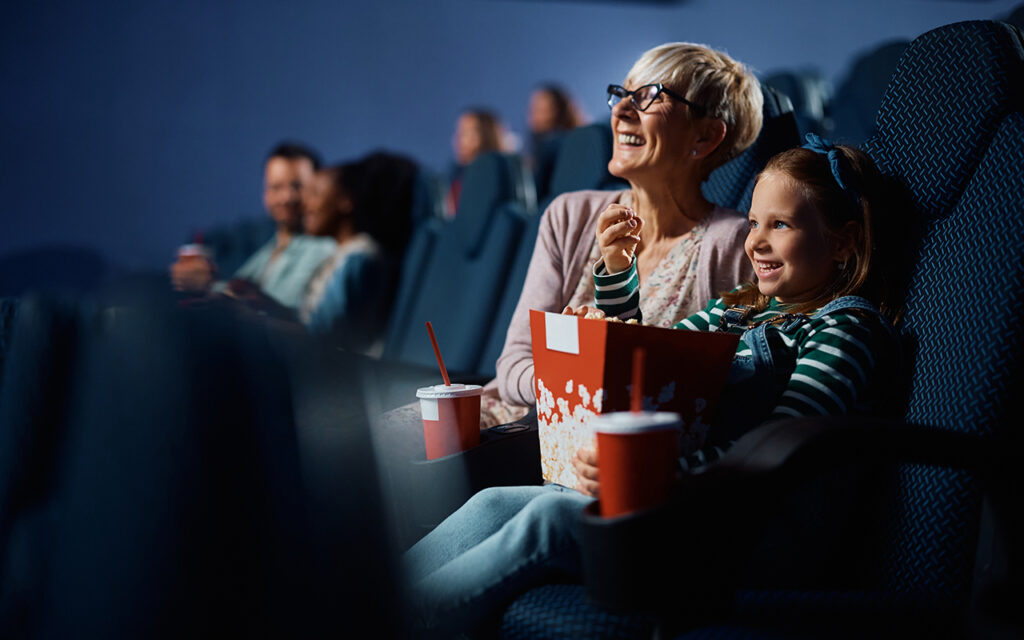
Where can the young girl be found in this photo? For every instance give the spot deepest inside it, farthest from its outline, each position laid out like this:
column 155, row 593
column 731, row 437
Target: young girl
column 814, row 333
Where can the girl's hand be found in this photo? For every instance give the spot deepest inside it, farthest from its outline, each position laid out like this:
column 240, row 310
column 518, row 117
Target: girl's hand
column 585, row 464
column 618, row 236
column 584, row 312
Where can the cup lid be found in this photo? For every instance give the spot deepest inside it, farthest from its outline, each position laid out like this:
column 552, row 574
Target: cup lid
column 193, row 250
column 628, row 422
column 449, row 391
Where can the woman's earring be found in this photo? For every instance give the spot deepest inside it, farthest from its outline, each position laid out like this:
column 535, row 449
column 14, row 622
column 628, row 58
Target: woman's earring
column 693, row 152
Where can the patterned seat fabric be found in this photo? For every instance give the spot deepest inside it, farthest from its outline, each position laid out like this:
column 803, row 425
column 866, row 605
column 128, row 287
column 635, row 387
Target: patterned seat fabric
column 951, row 130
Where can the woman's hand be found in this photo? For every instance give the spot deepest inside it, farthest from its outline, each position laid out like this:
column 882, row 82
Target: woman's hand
column 585, row 464
column 584, row 312
column 618, row 236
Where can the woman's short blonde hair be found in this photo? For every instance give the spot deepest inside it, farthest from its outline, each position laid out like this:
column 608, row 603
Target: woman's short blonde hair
column 727, row 89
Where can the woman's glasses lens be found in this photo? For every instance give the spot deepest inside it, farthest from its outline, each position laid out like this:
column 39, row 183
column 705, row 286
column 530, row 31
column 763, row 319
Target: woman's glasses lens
column 641, row 98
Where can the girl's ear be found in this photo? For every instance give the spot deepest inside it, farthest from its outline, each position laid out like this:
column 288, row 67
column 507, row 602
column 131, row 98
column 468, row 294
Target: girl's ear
column 846, row 241
column 711, row 134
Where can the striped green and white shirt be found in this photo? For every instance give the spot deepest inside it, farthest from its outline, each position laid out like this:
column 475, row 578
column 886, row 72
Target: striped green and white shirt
column 830, row 359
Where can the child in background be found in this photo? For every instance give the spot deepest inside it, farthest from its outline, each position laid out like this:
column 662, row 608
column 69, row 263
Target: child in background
column 815, row 333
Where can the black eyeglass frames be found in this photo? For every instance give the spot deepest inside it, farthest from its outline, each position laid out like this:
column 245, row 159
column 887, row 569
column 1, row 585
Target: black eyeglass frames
column 643, row 97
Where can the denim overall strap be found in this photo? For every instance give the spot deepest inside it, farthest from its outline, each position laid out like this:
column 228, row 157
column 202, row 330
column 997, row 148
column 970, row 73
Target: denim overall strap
column 848, row 302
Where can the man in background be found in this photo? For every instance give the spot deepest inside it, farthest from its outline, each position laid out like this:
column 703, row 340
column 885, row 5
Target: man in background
column 282, row 268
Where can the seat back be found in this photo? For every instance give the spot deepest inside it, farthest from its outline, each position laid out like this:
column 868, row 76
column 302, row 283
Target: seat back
column 950, row 130
column 732, row 184
column 859, row 94
column 811, row 96
column 582, row 162
column 460, row 267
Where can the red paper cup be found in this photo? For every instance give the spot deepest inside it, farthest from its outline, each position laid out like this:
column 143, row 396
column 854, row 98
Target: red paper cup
column 451, row 418
column 637, row 458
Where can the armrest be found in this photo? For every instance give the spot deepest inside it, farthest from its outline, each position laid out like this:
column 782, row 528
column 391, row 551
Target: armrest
column 797, row 448
column 700, row 541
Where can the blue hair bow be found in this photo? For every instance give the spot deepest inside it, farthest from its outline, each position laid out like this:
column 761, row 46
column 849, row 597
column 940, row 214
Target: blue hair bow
column 836, row 161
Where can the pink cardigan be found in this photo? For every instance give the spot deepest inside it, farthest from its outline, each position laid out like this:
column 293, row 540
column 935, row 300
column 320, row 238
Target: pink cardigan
column 560, row 257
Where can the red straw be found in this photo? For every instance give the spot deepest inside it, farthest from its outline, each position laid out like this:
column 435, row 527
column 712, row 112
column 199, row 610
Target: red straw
column 437, row 352
column 636, row 402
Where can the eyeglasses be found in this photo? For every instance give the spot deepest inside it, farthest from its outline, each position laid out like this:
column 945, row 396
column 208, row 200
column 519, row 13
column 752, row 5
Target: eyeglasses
column 643, row 97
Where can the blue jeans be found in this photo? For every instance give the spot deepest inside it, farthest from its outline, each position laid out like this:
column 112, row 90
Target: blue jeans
column 501, row 542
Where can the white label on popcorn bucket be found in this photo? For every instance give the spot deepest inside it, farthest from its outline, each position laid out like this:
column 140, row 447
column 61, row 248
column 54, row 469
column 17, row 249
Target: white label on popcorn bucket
column 562, row 332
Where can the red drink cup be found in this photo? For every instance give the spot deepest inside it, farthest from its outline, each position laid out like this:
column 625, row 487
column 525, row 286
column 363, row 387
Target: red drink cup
column 637, row 459
column 451, row 418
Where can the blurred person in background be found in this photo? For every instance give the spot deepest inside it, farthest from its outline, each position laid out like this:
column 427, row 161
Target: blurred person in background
column 283, row 267
column 551, row 113
column 478, row 130
column 349, row 294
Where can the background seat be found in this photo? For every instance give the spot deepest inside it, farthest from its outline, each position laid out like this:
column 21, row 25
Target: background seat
column 811, row 96
column 461, row 265
column 858, row 95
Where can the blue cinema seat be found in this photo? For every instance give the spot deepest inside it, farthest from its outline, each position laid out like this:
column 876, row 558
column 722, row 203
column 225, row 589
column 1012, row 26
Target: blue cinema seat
column 859, row 93
column 944, row 486
column 168, row 474
column 582, row 163
column 455, row 269
column 811, row 95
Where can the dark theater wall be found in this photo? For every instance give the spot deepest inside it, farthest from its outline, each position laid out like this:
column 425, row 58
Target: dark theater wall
column 126, row 124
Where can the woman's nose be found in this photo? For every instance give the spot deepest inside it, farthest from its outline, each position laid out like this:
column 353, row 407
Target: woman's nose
column 624, row 108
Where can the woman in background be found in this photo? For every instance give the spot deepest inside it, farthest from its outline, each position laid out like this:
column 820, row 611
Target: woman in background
column 551, row 114
column 478, row 130
column 349, row 294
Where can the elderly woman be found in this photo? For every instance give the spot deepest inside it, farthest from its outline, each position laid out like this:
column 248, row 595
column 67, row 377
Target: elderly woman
column 682, row 111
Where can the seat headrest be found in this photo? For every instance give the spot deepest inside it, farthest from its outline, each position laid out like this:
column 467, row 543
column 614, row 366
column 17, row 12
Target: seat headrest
column 583, row 160
column 490, row 180
column 951, row 90
column 859, row 94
